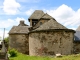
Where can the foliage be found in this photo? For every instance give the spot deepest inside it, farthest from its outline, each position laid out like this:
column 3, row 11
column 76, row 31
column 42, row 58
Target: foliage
column 27, row 57
column 12, row 52
column 6, row 40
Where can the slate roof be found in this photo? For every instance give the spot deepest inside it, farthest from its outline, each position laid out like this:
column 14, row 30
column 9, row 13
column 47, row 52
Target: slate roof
column 20, row 29
column 78, row 29
column 46, row 16
column 77, row 36
column 37, row 14
column 51, row 24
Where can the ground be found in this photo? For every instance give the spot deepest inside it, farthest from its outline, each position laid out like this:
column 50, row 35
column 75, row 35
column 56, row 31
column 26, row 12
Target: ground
column 26, row 57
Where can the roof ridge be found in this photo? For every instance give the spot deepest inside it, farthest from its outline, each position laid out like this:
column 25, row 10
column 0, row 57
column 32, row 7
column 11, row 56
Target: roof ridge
column 45, row 14
column 37, row 13
column 19, row 29
column 51, row 24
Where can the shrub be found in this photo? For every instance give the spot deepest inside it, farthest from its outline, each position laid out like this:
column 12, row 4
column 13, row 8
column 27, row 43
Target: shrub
column 13, row 53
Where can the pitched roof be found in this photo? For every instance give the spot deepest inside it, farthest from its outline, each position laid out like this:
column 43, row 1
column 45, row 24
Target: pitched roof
column 37, row 14
column 46, row 16
column 78, row 29
column 77, row 36
column 51, row 24
column 19, row 30
column 22, row 28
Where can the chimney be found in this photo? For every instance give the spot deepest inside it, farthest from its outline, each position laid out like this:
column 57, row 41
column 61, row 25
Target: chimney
column 22, row 23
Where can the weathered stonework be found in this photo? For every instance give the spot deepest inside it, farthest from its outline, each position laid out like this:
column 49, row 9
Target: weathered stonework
column 18, row 37
column 51, row 43
column 19, row 42
column 76, row 47
column 44, row 37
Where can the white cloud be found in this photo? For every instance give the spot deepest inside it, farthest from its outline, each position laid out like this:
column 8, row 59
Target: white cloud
column 8, row 24
column 29, row 12
column 1, row 7
column 2, row 32
column 10, row 7
column 29, row 1
column 5, row 24
column 18, row 20
column 66, row 16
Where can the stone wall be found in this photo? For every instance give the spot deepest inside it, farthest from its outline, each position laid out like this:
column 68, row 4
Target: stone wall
column 30, row 22
column 76, row 47
column 50, row 43
column 19, row 42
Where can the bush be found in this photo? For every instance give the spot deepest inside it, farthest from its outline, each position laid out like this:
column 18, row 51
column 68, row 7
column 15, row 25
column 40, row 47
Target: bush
column 13, row 53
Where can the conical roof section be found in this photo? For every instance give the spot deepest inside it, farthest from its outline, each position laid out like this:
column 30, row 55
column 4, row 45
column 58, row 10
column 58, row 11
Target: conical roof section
column 37, row 14
column 78, row 29
column 46, row 16
column 51, row 24
column 19, row 30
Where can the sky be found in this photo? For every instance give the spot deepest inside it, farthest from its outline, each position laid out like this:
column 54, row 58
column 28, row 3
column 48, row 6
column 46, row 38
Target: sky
column 66, row 12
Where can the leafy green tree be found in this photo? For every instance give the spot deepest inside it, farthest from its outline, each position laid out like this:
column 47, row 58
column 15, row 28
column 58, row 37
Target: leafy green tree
column 6, row 40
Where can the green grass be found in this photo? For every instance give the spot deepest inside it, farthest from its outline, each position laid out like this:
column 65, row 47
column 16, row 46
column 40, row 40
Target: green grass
column 26, row 57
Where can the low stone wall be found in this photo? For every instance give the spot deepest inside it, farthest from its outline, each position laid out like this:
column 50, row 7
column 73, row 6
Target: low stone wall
column 50, row 43
column 76, row 47
column 3, row 56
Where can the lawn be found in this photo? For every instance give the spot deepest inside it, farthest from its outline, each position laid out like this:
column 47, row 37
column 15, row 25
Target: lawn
column 26, row 57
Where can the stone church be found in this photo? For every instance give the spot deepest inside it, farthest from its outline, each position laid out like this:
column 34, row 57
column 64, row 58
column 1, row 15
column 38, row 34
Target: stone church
column 44, row 37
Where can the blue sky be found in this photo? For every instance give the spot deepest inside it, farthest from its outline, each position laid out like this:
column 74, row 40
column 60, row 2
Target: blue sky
column 66, row 12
